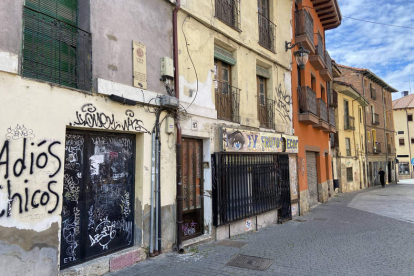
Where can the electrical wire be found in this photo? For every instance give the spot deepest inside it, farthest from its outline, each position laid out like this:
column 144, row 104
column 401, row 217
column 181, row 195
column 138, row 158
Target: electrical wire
column 363, row 20
column 188, row 51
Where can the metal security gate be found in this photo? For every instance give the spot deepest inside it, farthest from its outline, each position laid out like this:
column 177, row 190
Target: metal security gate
column 246, row 185
column 312, row 174
column 286, row 208
column 192, row 177
column 98, row 195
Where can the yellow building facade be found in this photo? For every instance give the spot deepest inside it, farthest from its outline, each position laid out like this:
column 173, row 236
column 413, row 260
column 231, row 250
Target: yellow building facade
column 235, row 84
column 403, row 110
column 349, row 147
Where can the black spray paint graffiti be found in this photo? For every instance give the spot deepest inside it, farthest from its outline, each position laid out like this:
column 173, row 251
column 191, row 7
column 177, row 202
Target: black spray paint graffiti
column 283, row 103
column 34, row 163
column 70, row 229
column 90, row 117
column 19, row 132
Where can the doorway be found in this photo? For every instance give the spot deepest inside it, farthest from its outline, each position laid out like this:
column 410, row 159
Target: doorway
column 192, row 177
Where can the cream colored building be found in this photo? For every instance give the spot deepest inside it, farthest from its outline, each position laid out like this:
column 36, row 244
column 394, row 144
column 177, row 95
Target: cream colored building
column 403, row 110
column 235, row 83
column 349, row 143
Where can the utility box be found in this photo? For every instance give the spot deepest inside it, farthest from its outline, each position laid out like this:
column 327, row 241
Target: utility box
column 169, row 102
column 167, row 68
column 169, row 125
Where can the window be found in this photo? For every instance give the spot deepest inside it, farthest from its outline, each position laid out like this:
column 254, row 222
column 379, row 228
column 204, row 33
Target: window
column 323, row 93
column 360, row 115
column 54, row 49
column 265, row 106
column 401, row 142
column 348, row 146
column 346, row 114
column 227, row 96
column 412, row 140
column 410, row 117
column 228, row 11
column 404, row 168
column 313, row 83
column 267, row 29
column 368, row 136
column 349, row 174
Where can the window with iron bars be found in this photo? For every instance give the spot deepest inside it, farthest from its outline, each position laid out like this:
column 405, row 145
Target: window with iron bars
column 349, row 174
column 228, row 11
column 54, row 48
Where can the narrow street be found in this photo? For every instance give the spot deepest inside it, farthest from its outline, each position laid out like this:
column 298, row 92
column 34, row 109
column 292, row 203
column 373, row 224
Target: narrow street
column 370, row 232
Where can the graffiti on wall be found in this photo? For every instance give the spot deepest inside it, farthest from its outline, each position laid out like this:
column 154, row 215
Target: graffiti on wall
column 89, row 116
column 283, row 104
column 293, row 177
column 302, row 166
column 14, row 171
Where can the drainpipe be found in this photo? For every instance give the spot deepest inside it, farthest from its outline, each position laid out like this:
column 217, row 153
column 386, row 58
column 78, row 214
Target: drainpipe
column 365, row 134
column 152, row 194
column 159, row 188
column 179, row 200
column 157, row 195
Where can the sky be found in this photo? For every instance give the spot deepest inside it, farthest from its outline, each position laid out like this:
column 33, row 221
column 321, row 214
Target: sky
column 386, row 51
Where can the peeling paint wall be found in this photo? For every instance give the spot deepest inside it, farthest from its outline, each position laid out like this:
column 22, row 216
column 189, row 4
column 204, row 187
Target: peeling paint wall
column 32, row 148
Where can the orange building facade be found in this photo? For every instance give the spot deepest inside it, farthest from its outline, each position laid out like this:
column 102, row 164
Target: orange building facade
column 313, row 113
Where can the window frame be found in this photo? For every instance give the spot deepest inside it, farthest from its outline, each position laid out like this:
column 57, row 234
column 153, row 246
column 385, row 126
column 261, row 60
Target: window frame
column 349, row 174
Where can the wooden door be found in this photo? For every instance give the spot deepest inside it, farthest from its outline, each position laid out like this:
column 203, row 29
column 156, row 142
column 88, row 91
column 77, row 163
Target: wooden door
column 222, row 83
column 192, row 177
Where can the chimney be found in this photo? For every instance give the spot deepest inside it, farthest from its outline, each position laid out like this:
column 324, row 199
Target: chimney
column 404, row 93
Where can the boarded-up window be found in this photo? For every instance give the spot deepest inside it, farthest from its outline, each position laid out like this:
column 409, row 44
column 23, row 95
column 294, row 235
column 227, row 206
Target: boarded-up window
column 401, row 142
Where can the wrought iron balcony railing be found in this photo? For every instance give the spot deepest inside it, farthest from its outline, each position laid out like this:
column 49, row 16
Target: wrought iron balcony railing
column 228, row 11
column 307, row 100
column 266, row 112
column 323, row 110
column 377, row 148
column 320, row 49
column 56, row 51
column 334, row 98
column 328, row 62
column 304, row 24
column 331, row 113
column 375, row 119
column 349, row 123
column 227, row 102
column 267, row 33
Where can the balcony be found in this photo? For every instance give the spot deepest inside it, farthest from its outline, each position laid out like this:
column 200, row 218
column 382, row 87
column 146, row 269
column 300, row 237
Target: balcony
column 331, row 120
column 326, row 74
column 227, row 102
column 334, row 99
column 266, row 112
column 389, row 147
column 349, row 123
column 377, row 148
column 318, row 60
column 375, row 119
column 267, row 33
column 56, row 51
column 308, row 110
column 334, row 139
column 228, row 11
column 323, row 116
column 304, row 30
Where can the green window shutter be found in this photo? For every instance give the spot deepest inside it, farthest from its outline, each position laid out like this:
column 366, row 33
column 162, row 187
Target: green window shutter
column 50, row 46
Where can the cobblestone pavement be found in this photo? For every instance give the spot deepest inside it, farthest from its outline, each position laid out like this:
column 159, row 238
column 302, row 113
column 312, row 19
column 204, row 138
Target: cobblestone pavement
column 352, row 234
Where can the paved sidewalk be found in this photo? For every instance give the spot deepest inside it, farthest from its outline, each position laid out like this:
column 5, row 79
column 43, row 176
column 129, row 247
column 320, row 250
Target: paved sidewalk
column 335, row 238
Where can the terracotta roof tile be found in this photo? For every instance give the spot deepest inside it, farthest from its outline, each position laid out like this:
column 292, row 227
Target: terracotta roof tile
column 404, row 102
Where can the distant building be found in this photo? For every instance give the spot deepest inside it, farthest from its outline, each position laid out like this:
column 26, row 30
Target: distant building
column 403, row 110
column 348, row 144
column 379, row 125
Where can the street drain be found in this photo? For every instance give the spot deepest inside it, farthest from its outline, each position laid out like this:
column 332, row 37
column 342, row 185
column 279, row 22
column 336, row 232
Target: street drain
column 300, row 220
column 250, row 262
column 321, row 219
column 229, row 243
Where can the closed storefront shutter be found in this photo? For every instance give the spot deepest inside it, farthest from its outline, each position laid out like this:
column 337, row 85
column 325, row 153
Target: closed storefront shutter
column 312, row 178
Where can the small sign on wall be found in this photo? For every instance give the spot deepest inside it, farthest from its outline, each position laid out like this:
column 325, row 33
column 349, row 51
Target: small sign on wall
column 139, row 54
column 248, row 224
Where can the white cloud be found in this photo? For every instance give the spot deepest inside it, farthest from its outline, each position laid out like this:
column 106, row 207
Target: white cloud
column 385, row 50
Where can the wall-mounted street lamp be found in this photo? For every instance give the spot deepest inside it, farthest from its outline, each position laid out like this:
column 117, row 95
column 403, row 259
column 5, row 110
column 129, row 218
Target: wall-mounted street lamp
column 301, row 56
